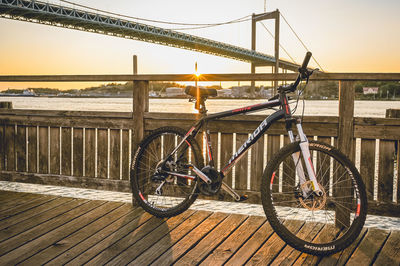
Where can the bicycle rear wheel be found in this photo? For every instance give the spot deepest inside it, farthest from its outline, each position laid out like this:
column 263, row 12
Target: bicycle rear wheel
column 318, row 225
column 161, row 194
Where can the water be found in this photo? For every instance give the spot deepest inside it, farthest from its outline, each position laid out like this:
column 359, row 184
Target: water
column 323, row 108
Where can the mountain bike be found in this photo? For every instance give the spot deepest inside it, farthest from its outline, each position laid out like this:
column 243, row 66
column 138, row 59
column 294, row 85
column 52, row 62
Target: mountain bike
column 308, row 182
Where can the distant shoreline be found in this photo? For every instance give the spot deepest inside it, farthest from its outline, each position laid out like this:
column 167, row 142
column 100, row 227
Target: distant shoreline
column 219, row 98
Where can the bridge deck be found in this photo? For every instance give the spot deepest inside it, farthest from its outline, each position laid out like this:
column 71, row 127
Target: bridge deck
column 37, row 229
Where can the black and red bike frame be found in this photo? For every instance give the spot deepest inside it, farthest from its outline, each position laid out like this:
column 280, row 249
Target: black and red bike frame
column 283, row 112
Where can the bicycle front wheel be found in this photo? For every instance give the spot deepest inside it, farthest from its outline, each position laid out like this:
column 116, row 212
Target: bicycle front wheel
column 317, row 225
column 165, row 192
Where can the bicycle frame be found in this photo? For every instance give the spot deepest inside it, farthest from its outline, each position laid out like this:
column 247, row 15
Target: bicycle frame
column 283, row 112
column 258, row 132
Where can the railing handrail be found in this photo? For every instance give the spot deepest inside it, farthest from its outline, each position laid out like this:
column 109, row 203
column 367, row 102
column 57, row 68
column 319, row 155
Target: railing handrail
column 203, row 77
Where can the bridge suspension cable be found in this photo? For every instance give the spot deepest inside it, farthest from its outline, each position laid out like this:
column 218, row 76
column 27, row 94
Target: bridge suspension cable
column 297, row 36
column 198, row 25
column 280, row 45
column 239, row 20
column 37, row 11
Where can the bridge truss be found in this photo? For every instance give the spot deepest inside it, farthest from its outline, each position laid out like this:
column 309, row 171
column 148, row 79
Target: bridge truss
column 71, row 18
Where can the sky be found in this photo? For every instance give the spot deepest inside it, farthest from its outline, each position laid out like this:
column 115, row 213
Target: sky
column 344, row 36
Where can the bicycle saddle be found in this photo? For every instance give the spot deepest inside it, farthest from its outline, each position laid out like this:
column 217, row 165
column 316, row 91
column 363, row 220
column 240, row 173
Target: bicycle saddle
column 192, row 91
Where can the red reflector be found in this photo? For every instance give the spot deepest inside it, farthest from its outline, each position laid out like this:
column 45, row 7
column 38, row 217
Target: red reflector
column 141, row 196
column 358, row 209
column 272, row 178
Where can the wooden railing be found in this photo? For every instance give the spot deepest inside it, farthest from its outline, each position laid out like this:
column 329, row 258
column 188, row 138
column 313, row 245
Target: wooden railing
column 93, row 149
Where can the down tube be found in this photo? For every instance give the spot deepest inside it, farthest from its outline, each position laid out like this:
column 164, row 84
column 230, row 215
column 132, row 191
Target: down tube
column 258, row 132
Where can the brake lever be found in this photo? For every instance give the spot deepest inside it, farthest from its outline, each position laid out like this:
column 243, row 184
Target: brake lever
column 308, row 73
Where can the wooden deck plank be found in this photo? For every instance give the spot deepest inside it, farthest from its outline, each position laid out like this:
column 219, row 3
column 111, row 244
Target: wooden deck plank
column 342, row 257
column 271, row 248
column 34, row 202
column 191, row 239
column 166, row 242
column 160, row 236
column 135, row 229
column 36, row 220
column 251, row 245
column 43, row 208
column 390, row 253
column 27, row 250
column 4, row 194
column 145, row 241
column 212, row 240
column 134, row 218
column 224, row 251
column 7, row 197
column 55, row 230
column 368, row 247
column 78, row 236
column 326, row 234
column 26, row 236
column 13, row 199
column 289, row 255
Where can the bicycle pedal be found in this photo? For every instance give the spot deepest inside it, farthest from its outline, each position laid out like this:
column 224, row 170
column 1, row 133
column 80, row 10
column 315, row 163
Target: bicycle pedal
column 243, row 198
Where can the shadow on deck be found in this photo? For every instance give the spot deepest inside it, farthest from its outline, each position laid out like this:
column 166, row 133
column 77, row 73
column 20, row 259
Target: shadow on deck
column 39, row 229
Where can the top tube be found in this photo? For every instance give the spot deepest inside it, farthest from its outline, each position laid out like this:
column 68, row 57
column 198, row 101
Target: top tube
column 244, row 110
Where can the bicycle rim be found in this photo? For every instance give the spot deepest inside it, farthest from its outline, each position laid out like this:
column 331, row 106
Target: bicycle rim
column 163, row 193
column 311, row 223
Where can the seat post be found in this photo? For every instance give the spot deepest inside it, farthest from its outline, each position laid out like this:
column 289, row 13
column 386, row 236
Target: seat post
column 203, row 109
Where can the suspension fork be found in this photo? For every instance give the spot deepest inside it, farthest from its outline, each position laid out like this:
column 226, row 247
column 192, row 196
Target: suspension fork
column 305, row 151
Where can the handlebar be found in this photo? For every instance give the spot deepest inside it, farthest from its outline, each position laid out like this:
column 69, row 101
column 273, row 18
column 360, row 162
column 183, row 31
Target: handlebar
column 306, row 60
column 303, row 74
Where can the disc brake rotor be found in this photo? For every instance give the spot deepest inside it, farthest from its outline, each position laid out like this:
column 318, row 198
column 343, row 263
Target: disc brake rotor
column 313, row 202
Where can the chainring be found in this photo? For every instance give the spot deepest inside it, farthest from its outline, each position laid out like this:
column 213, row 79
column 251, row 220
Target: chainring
column 216, row 181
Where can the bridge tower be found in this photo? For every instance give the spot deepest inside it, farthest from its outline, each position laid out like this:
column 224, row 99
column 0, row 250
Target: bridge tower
column 275, row 15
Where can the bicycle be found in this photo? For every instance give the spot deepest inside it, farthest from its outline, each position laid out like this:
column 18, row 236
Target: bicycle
column 305, row 180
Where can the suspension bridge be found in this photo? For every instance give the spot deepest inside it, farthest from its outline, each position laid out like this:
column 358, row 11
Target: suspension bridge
column 83, row 20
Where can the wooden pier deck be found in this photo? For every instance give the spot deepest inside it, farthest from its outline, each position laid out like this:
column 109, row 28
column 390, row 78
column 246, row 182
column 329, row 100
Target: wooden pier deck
column 42, row 229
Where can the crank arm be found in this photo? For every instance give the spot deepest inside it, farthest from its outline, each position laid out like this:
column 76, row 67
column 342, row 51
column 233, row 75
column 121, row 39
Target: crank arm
column 200, row 174
column 231, row 192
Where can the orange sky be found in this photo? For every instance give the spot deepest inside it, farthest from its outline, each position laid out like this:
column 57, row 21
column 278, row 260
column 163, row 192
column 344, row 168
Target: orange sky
column 344, row 36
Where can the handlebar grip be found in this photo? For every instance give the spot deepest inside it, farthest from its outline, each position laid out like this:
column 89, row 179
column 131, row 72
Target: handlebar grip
column 306, row 60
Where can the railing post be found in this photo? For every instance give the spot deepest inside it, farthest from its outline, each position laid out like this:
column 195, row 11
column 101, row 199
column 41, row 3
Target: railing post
column 345, row 143
column 134, row 64
column 346, row 117
column 140, row 106
column 395, row 113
